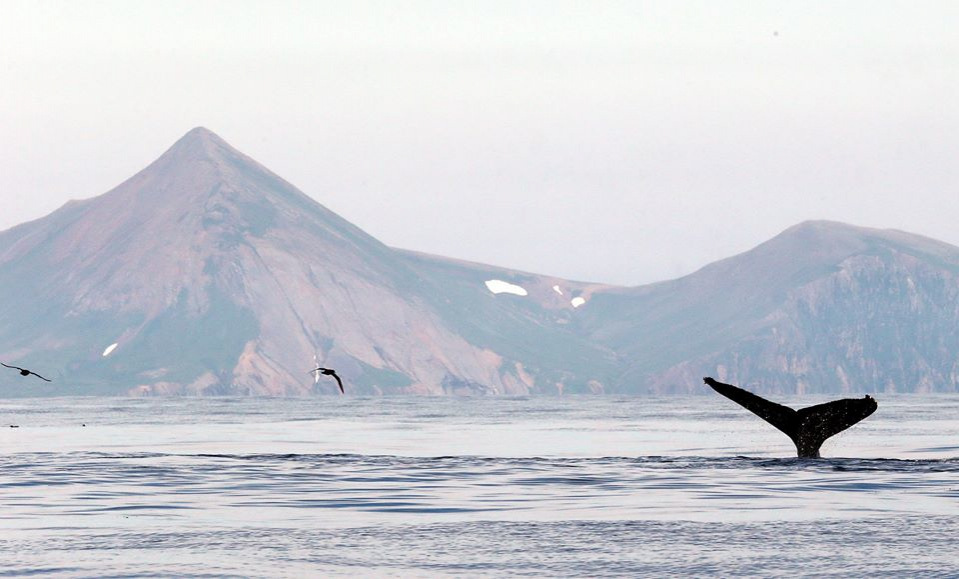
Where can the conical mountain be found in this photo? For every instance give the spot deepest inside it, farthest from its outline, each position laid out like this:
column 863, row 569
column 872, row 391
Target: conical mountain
column 823, row 307
column 205, row 273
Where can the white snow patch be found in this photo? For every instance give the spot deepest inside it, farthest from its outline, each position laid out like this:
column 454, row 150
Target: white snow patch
column 498, row 286
column 557, row 290
column 577, row 301
column 109, row 350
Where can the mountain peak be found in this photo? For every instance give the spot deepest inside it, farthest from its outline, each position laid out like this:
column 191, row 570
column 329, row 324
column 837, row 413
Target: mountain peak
column 200, row 132
column 199, row 143
column 822, row 234
column 827, row 229
column 822, row 225
column 203, row 135
column 196, row 165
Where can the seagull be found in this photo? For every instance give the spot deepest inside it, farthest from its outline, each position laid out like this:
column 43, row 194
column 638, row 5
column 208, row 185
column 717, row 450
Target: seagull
column 329, row 372
column 24, row 372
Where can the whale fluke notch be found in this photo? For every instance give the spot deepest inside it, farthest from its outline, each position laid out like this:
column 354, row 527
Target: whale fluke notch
column 809, row 427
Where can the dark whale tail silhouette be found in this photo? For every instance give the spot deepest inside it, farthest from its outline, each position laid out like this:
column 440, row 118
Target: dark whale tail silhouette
column 809, row 427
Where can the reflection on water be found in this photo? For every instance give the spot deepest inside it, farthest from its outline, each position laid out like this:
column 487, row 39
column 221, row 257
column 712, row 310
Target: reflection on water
column 409, row 486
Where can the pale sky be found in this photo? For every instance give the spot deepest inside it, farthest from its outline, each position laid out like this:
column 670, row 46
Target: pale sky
column 624, row 142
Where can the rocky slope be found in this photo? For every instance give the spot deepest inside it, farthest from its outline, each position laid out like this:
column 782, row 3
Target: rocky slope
column 823, row 307
column 207, row 274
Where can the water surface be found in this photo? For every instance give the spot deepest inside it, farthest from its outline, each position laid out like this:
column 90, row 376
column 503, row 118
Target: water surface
column 422, row 487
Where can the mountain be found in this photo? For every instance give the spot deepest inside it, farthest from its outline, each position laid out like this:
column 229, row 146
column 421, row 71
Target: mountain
column 205, row 273
column 822, row 308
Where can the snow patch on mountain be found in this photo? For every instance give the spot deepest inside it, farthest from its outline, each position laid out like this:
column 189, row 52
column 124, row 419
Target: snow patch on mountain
column 498, row 286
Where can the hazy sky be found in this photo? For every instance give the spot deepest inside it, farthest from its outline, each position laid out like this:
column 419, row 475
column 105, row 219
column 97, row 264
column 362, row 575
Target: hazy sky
column 624, row 142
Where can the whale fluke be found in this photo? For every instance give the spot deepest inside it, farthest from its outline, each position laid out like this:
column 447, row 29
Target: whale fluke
column 809, row 427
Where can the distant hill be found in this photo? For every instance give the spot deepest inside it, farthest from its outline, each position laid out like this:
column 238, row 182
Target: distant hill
column 207, row 274
column 822, row 307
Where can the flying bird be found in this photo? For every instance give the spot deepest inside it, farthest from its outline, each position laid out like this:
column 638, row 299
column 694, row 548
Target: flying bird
column 23, row 371
column 329, row 372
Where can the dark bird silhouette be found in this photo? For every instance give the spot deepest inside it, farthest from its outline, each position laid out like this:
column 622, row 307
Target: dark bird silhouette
column 809, row 427
column 24, row 372
column 329, row 372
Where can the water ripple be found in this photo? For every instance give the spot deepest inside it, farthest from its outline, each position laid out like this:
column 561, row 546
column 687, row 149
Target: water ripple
column 178, row 488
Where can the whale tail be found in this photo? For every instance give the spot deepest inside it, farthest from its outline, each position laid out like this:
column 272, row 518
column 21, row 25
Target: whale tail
column 807, row 428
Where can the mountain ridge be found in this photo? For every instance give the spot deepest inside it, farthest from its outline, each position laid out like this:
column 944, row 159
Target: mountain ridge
column 206, row 273
column 708, row 311
column 205, row 242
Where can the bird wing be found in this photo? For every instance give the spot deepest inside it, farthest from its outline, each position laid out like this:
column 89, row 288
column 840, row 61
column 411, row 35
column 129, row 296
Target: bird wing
column 340, row 382
column 14, row 367
column 37, row 375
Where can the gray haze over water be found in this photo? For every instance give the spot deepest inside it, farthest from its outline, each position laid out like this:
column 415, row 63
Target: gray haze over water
column 623, row 142
column 592, row 486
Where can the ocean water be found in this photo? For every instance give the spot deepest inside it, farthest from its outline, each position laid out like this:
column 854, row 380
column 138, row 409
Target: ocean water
column 583, row 486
